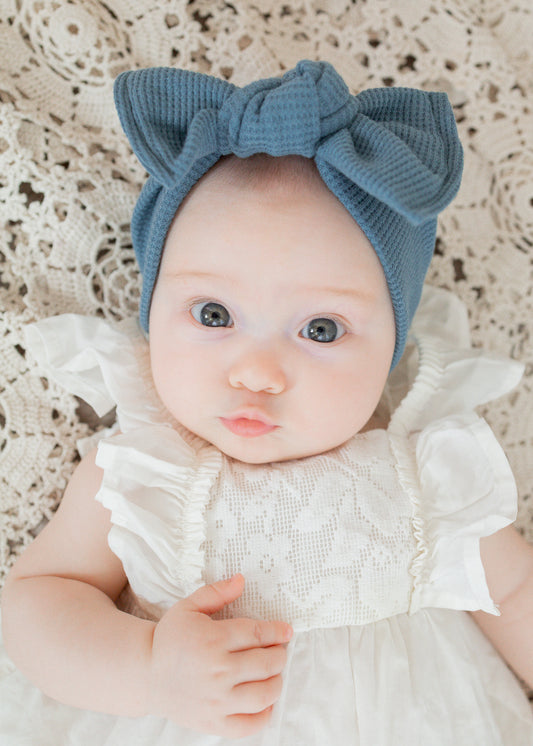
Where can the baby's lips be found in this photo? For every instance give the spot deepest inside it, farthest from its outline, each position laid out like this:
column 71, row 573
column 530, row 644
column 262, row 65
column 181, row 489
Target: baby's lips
column 247, row 427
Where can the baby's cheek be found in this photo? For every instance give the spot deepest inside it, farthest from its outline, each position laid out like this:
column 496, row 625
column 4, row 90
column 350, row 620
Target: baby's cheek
column 354, row 400
column 192, row 391
column 331, row 418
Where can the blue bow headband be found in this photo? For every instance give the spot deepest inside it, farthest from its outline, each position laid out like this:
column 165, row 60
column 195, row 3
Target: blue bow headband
column 392, row 157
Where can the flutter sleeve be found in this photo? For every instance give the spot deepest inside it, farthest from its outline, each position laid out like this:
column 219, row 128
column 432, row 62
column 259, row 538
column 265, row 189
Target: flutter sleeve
column 459, row 479
column 105, row 364
column 156, row 487
column 467, row 492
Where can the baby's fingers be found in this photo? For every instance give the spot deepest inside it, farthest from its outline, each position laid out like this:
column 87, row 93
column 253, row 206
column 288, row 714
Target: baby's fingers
column 256, row 696
column 259, row 664
column 239, row 726
column 244, row 634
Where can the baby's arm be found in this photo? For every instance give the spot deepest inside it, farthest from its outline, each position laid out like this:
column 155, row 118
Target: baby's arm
column 508, row 562
column 59, row 621
column 64, row 632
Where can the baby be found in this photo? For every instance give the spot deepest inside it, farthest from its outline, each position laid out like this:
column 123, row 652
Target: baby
column 299, row 509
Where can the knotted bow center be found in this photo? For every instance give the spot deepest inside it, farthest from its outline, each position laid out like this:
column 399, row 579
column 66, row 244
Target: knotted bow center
column 285, row 116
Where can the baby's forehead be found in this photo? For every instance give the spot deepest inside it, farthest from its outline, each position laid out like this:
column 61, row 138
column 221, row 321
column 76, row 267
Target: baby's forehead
column 267, row 187
column 246, row 214
column 256, row 193
column 264, row 173
column 263, row 182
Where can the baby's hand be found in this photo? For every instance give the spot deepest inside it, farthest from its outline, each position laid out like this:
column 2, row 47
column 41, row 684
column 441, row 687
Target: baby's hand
column 219, row 677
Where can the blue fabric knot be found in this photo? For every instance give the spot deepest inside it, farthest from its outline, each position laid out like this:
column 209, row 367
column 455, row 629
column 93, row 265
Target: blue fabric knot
column 285, row 116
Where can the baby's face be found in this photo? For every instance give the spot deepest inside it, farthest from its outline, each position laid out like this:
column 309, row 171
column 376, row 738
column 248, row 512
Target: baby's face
column 271, row 326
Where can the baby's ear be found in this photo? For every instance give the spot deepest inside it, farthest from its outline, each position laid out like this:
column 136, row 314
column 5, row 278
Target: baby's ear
column 165, row 112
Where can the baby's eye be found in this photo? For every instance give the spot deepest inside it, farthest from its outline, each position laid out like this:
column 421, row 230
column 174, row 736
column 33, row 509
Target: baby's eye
column 323, row 330
column 211, row 314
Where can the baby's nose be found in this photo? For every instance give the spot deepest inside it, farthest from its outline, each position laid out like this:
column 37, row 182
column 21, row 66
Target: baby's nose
column 258, row 369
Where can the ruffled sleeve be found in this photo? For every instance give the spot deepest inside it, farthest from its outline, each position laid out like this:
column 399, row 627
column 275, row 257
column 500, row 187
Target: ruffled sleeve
column 467, row 492
column 156, row 487
column 106, row 365
column 456, row 473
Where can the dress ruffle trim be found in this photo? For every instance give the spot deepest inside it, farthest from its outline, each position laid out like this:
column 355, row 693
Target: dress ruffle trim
column 449, row 461
column 450, row 377
column 467, row 491
column 105, row 365
column 156, row 487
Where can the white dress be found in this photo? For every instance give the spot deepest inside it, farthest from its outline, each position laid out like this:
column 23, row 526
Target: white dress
column 370, row 551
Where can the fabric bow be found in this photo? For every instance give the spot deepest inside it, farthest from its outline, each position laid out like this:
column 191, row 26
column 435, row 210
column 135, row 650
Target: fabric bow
column 392, row 142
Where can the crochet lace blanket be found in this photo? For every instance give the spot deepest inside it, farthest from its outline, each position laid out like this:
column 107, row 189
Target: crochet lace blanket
column 68, row 181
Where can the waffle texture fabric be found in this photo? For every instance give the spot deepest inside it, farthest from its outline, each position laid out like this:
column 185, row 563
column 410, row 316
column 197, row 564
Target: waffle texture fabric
column 371, row 550
column 392, row 156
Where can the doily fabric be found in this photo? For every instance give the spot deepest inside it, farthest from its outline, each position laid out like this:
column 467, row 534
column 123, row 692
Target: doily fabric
column 68, row 181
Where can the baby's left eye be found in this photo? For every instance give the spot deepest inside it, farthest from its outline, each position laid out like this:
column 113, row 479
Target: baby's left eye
column 323, row 330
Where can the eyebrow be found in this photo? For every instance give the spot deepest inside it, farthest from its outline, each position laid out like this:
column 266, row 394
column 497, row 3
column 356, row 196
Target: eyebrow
column 345, row 292
column 196, row 276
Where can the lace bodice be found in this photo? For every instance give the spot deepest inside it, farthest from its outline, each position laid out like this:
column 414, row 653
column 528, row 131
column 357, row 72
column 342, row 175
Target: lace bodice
column 325, row 541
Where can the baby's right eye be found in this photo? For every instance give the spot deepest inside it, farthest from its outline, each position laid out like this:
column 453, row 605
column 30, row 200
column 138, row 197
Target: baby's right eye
column 211, row 314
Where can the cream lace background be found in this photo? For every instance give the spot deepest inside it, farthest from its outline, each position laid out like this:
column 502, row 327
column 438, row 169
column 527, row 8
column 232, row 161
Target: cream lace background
column 68, row 181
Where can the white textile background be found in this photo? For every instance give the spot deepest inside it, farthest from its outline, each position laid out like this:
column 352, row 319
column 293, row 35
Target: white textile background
column 68, row 181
